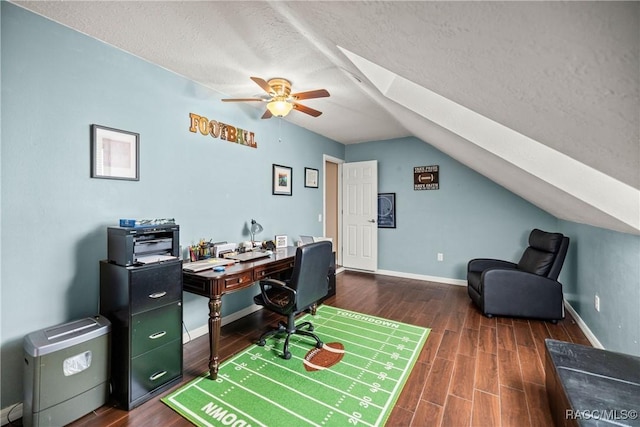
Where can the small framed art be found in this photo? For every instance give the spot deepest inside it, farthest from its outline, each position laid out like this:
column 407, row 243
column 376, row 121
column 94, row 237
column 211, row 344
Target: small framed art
column 387, row 210
column 115, row 154
column 282, row 180
column 311, row 178
column 282, row 241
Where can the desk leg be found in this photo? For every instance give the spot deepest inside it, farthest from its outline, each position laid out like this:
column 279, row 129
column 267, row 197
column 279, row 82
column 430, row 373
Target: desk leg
column 215, row 321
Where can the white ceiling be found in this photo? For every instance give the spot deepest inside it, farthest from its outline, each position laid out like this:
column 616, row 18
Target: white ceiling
column 541, row 97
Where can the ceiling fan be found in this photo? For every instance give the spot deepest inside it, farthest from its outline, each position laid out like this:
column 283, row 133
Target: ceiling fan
column 281, row 101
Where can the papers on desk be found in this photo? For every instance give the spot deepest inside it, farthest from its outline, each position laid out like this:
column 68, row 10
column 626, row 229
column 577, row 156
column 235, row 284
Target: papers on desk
column 250, row 255
column 150, row 259
column 196, row 266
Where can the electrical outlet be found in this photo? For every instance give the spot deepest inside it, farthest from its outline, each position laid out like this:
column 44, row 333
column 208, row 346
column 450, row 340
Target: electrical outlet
column 440, row 256
column 597, row 302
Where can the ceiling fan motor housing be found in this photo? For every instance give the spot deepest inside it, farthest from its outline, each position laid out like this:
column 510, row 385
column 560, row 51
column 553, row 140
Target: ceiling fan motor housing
column 281, row 87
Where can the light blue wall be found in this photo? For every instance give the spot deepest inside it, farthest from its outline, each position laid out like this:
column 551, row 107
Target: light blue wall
column 55, row 83
column 468, row 217
column 607, row 263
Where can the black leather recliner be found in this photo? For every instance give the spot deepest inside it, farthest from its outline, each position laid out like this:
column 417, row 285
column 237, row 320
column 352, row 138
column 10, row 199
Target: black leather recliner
column 529, row 288
column 309, row 283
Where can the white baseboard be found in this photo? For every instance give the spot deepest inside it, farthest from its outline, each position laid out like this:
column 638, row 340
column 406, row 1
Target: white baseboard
column 583, row 326
column 446, row 280
column 204, row 329
column 458, row 282
column 16, row 413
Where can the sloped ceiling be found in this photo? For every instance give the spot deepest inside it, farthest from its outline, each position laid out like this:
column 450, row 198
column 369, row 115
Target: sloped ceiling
column 541, row 97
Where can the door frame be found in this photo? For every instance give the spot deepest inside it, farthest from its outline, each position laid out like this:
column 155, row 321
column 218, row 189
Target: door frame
column 338, row 245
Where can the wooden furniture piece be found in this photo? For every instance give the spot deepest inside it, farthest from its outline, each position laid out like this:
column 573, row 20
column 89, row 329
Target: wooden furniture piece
column 144, row 305
column 213, row 285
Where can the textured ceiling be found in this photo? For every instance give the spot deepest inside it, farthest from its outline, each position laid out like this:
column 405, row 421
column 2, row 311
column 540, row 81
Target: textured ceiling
column 563, row 75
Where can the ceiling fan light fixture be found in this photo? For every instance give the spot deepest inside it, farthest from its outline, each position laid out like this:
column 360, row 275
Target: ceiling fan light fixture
column 281, row 101
column 279, row 107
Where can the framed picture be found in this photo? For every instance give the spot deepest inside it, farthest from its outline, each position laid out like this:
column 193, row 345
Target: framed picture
column 387, row 210
column 115, row 154
column 311, row 178
column 282, row 180
column 281, row 241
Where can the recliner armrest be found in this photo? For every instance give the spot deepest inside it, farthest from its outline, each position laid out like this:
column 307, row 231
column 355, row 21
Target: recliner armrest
column 481, row 264
column 516, row 278
column 519, row 293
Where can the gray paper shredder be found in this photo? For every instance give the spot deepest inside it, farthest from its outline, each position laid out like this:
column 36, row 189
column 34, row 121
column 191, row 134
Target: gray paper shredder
column 67, row 372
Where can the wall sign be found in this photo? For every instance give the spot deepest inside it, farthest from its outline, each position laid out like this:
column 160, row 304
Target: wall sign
column 221, row 130
column 426, row 177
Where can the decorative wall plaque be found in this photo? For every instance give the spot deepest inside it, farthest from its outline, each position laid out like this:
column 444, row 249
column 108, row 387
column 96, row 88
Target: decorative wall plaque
column 426, row 177
column 217, row 129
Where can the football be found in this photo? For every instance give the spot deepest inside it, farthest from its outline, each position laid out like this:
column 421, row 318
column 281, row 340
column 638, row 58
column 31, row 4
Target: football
column 318, row 359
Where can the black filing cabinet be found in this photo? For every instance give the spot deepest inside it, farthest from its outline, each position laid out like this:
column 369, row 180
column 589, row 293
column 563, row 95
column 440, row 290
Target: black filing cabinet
column 144, row 305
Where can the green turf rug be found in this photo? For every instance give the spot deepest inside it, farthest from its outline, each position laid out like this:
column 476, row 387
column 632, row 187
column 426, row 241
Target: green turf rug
column 331, row 387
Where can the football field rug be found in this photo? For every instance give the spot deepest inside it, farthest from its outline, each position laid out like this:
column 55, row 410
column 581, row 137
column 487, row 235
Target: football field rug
column 354, row 380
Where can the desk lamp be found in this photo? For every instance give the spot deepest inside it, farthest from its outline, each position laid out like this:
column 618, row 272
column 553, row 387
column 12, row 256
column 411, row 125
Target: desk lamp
column 255, row 228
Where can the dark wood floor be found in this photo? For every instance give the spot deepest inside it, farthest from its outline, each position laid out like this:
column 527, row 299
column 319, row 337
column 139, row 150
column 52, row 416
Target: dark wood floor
column 473, row 371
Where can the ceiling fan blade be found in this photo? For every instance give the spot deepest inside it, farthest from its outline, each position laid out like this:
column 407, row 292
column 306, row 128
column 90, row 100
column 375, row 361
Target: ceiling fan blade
column 319, row 93
column 306, row 110
column 242, row 99
column 267, row 115
column 263, row 84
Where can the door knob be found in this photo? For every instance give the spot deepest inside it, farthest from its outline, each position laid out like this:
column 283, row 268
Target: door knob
column 372, row 220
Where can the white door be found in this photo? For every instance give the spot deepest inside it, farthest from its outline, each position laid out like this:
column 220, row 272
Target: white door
column 359, row 215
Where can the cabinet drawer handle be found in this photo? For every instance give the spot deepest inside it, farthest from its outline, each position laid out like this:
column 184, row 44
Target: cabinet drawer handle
column 158, row 335
column 157, row 375
column 158, row 295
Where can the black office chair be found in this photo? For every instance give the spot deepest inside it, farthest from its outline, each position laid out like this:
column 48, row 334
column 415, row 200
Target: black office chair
column 308, row 284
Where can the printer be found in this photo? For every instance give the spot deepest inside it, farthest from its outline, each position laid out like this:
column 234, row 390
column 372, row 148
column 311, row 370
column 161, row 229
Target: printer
column 131, row 245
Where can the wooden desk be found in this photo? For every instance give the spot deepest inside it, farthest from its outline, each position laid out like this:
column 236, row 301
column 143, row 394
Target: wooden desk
column 213, row 285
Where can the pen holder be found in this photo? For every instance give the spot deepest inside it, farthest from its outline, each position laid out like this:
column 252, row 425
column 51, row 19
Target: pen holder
column 201, row 251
